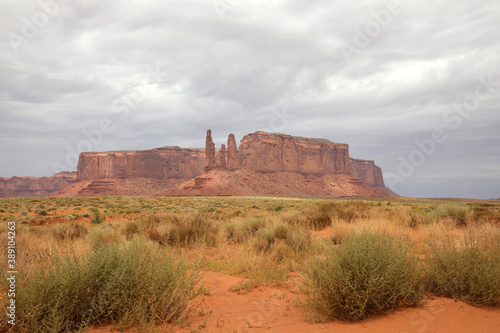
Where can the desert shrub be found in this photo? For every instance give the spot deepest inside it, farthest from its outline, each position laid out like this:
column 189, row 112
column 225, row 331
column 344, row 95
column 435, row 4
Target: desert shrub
column 265, row 234
column 243, row 230
column 369, row 273
column 10, row 217
column 298, row 240
column 417, row 218
column 132, row 283
column 181, row 230
column 260, row 245
column 69, row 231
column 160, row 234
column 281, row 231
column 281, row 251
column 347, row 211
column 260, row 265
column 465, row 271
column 315, row 218
column 484, row 212
column 459, row 213
column 41, row 212
column 130, row 229
column 102, row 236
column 324, row 213
column 253, row 224
column 195, row 228
column 149, row 221
column 486, row 234
column 295, row 239
column 32, row 248
column 97, row 218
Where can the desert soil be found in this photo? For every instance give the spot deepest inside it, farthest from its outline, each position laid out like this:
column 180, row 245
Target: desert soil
column 266, row 309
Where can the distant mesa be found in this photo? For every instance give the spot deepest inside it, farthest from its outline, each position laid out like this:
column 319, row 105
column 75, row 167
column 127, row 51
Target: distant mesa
column 35, row 186
column 263, row 164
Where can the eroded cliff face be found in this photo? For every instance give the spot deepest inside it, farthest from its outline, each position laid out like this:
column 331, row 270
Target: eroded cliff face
column 270, row 152
column 35, row 186
column 263, row 164
column 265, row 152
column 166, row 162
column 367, row 172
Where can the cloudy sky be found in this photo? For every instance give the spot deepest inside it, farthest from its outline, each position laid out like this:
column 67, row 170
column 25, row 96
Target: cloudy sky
column 413, row 85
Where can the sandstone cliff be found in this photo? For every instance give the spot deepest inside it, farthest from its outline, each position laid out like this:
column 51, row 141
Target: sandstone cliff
column 263, row 164
column 367, row 172
column 265, row 152
column 35, row 186
column 279, row 164
column 160, row 163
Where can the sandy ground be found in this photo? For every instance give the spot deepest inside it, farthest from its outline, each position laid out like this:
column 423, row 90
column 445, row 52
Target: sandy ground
column 266, row 309
column 275, row 310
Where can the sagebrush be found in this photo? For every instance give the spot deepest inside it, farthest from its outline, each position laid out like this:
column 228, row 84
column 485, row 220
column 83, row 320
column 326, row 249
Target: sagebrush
column 369, row 273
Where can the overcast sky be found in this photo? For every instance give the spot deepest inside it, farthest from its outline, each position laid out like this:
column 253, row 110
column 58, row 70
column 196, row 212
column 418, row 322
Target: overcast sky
column 413, row 85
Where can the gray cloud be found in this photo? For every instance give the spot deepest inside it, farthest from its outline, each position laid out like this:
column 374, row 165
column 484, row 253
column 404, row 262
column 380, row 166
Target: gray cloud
column 163, row 72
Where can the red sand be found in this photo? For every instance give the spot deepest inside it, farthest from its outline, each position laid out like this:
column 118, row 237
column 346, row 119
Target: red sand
column 275, row 310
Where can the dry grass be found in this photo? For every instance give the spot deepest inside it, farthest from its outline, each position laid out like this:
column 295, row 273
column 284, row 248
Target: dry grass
column 131, row 283
column 261, row 239
column 464, row 269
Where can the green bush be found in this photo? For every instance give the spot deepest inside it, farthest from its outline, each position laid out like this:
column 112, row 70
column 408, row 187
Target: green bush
column 367, row 274
column 459, row 213
column 42, row 212
column 97, row 219
column 132, row 283
column 465, row 271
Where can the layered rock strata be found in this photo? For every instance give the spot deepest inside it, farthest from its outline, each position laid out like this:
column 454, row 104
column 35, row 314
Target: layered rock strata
column 160, row 163
column 35, row 186
column 263, row 164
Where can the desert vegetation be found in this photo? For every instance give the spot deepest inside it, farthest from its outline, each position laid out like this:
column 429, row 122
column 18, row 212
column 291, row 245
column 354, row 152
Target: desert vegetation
column 140, row 261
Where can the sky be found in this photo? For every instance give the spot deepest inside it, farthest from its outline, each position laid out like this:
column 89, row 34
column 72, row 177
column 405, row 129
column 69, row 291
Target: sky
column 413, row 85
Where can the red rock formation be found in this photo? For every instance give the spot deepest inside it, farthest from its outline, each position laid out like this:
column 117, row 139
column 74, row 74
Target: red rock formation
column 247, row 182
column 222, row 156
column 120, row 187
column 367, row 172
column 232, row 153
column 265, row 152
column 35, row 186
column 166, row 162
column 210, row 152
column 264, row 164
